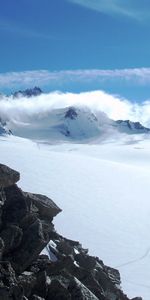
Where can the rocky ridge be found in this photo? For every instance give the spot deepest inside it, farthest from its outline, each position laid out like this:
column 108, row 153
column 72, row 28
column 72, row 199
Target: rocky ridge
column 35, row 91
column 66, row 272
column 4, row 130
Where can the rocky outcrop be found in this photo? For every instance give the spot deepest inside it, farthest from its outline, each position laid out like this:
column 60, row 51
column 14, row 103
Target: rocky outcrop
column 63, row 271
column 8, row 176
column 4, row 130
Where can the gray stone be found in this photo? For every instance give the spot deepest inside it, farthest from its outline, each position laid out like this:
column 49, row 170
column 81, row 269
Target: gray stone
column 79, row 291
column 12, row 237
column 27, row 280
column 33, row 242
column 58, row 289
column 64, row 247
column 15, row 207
column 7, row 274
column 46, row 207
column 8, row 176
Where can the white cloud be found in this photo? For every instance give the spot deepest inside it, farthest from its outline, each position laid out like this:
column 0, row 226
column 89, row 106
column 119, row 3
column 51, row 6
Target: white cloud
column 25, row 109
column 44, row 77
column 125, row 8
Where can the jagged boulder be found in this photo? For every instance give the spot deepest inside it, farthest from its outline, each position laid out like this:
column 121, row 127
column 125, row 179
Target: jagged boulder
column 46, row 207
column 8, row 176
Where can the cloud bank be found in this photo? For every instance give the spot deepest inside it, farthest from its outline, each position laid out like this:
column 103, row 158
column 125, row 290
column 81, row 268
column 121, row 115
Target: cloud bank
column 24, row 79
column 23, row 110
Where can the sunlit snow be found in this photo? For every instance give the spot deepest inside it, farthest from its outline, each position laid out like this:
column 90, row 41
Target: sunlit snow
column 104, row 191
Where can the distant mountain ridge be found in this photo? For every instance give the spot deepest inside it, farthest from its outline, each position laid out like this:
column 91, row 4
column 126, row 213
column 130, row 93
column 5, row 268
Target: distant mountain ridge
column 74, row 123
column 36, row 91
column 132, row 126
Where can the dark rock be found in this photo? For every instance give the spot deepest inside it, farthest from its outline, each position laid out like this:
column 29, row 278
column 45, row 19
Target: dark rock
column 33, row 242
column 40, row 264
column 58, row 289
column 8, row 176
column 41, row 286
column 7, row 274
column 12, row 237
column 28, row 281
column 46, row 207
column 113, row 274
column 16, row 206
column 64, row 248
column 86, row 261
column 9, row 288
column 34, row 283
column 28, row 220
column 79, row 291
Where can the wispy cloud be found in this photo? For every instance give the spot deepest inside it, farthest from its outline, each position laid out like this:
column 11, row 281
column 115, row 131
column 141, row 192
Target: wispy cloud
column 140, row 76
column 25, row 32
column 125, row 8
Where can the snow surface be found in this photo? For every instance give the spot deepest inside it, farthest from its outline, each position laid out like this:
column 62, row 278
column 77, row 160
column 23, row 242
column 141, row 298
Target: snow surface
column 104, row 191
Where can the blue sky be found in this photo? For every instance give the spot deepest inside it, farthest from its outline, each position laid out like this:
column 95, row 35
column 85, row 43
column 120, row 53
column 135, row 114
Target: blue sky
column 72, row 35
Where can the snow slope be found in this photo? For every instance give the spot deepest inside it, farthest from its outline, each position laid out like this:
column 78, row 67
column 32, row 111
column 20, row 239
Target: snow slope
column 104, row 192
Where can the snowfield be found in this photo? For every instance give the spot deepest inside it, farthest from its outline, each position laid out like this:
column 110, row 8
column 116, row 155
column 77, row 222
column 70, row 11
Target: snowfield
column 104, row 191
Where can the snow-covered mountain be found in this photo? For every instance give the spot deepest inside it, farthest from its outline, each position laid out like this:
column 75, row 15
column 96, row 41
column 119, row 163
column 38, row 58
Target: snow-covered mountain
column 72, row 123
column 131, row 127
column 79, row 123
column 31, row 114
column 58, row 124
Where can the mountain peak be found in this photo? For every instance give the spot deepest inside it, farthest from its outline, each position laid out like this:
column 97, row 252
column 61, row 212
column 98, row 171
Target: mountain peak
column 71, row 113
column 35, row 91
